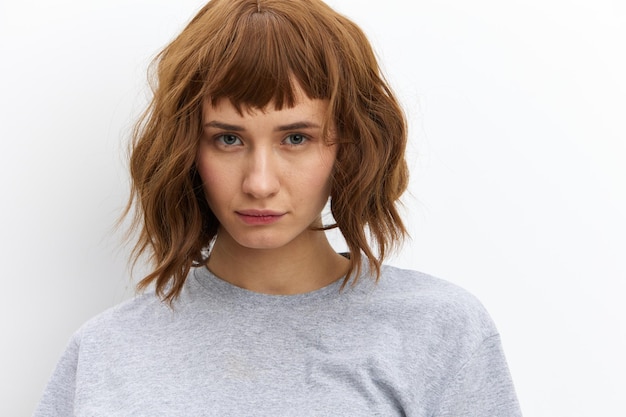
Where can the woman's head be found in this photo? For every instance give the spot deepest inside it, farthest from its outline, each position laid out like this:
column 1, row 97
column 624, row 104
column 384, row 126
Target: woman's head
column 256, row 54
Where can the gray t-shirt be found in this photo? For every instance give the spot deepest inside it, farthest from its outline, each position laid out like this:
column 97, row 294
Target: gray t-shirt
column 411, row 345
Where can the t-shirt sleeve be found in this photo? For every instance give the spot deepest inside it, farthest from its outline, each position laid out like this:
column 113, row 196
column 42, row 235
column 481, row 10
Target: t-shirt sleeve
column 58, row 397
column 482, row 387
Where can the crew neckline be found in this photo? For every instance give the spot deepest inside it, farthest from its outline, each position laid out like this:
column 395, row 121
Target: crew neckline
column 222, row 289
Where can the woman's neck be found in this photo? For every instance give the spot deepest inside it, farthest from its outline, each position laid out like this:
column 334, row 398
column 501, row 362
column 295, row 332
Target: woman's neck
column 305, row 264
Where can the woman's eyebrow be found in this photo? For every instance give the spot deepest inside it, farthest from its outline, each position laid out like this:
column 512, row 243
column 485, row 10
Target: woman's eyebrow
column 297, row 125
column 224, row 126
column 281, row 128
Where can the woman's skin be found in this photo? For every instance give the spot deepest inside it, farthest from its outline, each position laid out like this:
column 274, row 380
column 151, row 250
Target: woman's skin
column 267, row 174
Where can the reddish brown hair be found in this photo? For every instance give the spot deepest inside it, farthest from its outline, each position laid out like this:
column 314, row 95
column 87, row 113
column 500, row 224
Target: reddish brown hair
column 251, row 52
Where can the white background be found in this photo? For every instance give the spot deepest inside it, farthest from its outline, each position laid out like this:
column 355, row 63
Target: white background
column 518, row 138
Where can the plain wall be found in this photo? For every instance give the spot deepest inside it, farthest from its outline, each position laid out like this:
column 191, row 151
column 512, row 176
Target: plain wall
column 518, row 192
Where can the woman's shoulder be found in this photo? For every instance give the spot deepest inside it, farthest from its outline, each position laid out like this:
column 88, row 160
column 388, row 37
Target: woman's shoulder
column 423, row 299
column 138, row 312
column 396, row 280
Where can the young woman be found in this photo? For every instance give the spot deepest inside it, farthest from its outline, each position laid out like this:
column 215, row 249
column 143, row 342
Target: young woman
column 262, row 111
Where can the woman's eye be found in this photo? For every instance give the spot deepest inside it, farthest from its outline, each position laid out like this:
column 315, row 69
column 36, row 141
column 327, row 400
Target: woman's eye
column 295, row 139
column 229, row 140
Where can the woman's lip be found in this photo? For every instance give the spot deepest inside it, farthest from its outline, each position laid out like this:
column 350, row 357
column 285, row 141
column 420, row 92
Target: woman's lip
column 259, row 213
column 259, row 217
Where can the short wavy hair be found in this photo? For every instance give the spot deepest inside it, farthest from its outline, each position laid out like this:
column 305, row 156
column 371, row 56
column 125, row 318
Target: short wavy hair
column 251, row 52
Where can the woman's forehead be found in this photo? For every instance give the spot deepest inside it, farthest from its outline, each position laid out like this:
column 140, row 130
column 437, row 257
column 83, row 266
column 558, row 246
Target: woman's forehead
column 304, row 108
column 301, row 101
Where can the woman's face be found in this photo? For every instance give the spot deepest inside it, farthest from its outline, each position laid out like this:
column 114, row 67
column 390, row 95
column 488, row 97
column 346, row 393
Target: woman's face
column 266, row 173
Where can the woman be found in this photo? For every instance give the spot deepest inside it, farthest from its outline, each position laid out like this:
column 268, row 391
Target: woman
column 262, row 110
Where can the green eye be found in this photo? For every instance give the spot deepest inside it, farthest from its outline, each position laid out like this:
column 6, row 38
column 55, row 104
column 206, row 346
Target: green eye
column 295, row 139
column 229, row 140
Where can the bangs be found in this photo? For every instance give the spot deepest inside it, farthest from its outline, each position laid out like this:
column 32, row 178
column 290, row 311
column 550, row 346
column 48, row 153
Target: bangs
column 260, row 56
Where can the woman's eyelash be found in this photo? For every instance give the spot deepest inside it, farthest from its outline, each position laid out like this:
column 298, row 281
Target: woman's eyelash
column 228, row 139
column 295, row 139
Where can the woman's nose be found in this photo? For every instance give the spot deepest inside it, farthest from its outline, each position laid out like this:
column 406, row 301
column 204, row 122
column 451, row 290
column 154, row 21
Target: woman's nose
column 261, row 179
